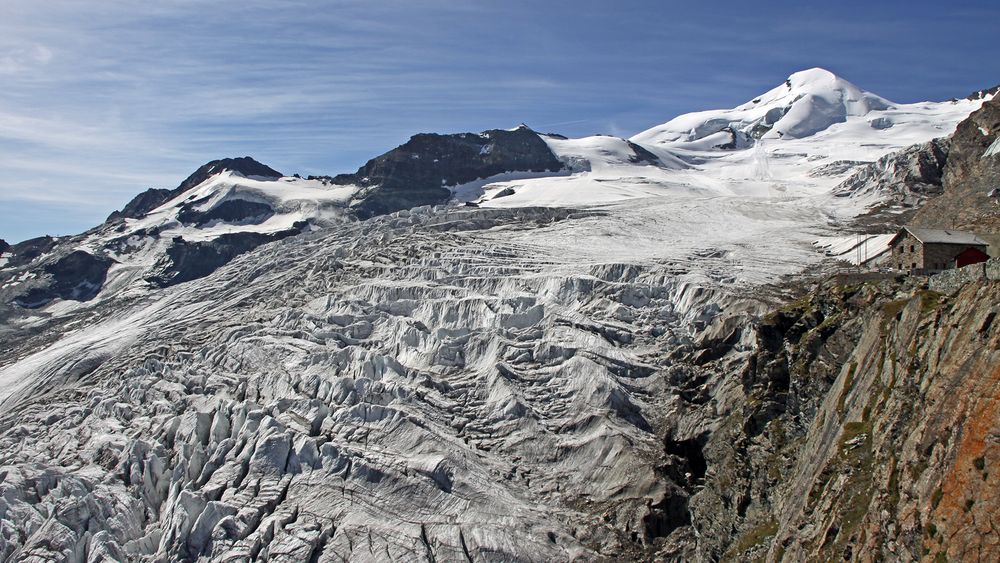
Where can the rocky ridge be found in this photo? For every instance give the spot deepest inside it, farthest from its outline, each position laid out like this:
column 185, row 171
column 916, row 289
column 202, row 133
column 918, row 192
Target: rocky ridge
column 901, row 182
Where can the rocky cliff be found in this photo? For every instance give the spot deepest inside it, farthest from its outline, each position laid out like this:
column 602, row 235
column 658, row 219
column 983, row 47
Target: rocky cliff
column 901, row 182
column 868, row 431
column 971, row 172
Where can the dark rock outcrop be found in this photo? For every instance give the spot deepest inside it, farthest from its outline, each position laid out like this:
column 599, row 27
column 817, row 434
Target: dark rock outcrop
column 417, row 172
column 190, row 260
column 78, row 276
column 903, row 180
column 641, row 155
column 25, row 251
column 866, row 431
column 4, row 247
column 800, row 349
column 984, row 93
column 969, row 175
column 142, row 204
column 243, row 165
column 236, row 211
column 738, row 140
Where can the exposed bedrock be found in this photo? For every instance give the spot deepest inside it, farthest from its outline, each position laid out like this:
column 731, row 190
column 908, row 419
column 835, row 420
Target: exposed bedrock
column 78, row 276
column 417, row 172
column 907, row 177
column 865, row 432
column 189, row 260
column 971, row 174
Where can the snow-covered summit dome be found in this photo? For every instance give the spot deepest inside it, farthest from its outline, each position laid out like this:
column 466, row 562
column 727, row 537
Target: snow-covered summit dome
column 808, row 102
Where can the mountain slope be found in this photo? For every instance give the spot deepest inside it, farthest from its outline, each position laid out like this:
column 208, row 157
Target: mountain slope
column 154, row 197
column 865, row 430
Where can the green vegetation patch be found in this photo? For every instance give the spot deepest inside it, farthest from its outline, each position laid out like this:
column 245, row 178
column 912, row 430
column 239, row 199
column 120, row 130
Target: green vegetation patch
column 892, row 309
column 759, row 535
column 848, row 384
column 929, row 300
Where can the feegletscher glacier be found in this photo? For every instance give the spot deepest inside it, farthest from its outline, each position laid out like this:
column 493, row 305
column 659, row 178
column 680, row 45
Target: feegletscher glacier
column 497, row 346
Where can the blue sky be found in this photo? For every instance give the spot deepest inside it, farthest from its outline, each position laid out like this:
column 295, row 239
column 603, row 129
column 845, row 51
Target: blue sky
column 101, row 100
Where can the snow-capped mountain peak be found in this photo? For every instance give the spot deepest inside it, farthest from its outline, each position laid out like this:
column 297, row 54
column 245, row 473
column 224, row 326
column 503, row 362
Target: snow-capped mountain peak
column 808, row 102
column 820, row 84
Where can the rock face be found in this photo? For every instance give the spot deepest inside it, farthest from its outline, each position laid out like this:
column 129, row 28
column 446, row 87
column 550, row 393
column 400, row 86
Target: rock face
column 417, row 172
column 142, row 204
column 243, row 165
column 77, row 276
column 972, row 170
column 900, row 182
column 236, row 211
column 28, row 250
column 866, row 433
column 189, row 260
column 984, row 93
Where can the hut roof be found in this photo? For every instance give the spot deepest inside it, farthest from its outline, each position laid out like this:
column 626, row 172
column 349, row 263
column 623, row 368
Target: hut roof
column 941, row 236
